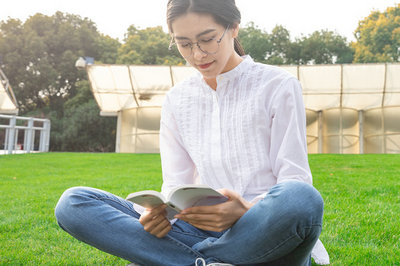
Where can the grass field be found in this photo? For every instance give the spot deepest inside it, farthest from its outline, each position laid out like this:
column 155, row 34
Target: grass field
column 361, row 193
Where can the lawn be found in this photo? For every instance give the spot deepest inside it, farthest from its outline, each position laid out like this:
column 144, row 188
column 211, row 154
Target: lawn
column 361, row 193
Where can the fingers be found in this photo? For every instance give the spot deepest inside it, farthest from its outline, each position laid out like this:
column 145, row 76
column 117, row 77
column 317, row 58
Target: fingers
column 149, row 214
column 212, row 218
column 155, row 222
column 164, row 231
column 213, row 228
column 205, row 209
column 158, row 227
column 209, row 222
column 200, row 217
column 216, row 217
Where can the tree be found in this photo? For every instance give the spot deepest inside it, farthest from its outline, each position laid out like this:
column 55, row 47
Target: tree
column 148, row 47
column 39, row 57
column 108, row 49
column 82, row 128
column 277, row 48
column 280, row 46
column 324, row 47
column 255, row 42
column 378, row 37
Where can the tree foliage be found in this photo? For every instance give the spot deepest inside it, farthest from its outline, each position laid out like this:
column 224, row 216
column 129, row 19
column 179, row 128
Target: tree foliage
column 324, row 47
column 148, row 47
column 108, row 49
column 39, row 57
column 83, row 129
column 378, row 37
column 277, row 48
column 255, row 42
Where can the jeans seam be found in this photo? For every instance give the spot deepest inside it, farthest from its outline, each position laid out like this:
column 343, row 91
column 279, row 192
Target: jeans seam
column 189, row 234
column 178, row 243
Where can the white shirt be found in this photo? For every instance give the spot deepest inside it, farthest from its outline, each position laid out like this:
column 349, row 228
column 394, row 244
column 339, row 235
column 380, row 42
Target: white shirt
column 247, row 136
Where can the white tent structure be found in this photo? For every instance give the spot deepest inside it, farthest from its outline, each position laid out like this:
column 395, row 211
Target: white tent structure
column 351, row 108
column 8, row 103
column 19, row 134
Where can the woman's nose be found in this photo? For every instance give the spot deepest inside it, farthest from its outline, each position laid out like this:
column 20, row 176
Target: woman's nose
column 197, row 52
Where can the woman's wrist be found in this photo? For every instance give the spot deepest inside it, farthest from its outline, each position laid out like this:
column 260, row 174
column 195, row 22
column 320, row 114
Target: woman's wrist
column 247, row 204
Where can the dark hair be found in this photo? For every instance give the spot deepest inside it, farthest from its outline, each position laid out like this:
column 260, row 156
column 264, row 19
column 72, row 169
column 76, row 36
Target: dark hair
column 224, row 12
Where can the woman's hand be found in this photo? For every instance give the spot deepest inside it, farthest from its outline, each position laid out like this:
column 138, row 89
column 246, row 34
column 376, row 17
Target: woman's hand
column 217, row 217
column 155, row 222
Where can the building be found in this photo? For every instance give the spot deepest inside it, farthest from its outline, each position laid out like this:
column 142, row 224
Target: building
column 351, row 108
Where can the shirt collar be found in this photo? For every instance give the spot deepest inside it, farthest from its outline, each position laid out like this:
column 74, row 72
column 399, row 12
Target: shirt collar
column 231, row 74
column 241, row 67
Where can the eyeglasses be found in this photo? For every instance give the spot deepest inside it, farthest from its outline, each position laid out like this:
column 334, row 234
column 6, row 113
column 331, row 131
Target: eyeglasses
column 206, row 45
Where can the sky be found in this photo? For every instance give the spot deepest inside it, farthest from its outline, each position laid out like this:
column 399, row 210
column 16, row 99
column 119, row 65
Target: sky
column 300, row 17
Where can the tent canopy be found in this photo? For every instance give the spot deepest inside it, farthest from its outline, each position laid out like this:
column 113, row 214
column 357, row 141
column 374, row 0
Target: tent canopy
column 119, row 87
column 356, row 86
column 352, row 108
column 7, row 100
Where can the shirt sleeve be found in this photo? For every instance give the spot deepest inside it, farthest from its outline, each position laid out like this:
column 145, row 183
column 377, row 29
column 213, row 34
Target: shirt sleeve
column 288, row 153
column 177, row 166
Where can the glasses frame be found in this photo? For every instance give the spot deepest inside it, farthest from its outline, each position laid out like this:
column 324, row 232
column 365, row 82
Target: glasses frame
column 172, row 43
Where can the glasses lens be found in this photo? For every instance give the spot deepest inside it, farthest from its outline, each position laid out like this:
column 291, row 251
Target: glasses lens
column 209, row 46
column 185, row 48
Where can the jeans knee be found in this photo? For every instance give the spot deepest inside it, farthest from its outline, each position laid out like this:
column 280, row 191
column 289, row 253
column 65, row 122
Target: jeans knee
column 66, row 204
column 302, row 200
column 310, row 196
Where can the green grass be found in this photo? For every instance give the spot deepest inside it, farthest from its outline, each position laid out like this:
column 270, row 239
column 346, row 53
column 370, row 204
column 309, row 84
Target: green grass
column 361, row 193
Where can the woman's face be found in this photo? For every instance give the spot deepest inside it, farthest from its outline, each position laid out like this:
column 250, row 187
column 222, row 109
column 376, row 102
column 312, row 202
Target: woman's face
column 191, row 28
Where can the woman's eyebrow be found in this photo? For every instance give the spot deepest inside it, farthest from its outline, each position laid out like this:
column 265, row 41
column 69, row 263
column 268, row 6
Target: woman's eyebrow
column 197, row 36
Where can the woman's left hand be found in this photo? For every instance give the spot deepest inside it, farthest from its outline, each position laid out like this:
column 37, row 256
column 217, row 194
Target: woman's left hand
column 217, row 217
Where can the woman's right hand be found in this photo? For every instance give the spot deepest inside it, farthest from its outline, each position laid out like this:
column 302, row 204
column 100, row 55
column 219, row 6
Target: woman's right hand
column 155, row 221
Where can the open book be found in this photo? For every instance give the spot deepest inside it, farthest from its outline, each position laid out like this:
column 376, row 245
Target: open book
column 178, row 199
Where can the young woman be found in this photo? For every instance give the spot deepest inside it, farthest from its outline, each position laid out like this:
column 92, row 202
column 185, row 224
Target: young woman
column 237, row 126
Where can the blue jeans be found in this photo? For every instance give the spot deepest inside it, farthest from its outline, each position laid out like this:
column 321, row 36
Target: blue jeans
column 280, row 229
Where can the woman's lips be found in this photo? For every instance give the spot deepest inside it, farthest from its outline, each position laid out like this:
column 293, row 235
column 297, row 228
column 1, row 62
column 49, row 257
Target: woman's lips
column 204, row 66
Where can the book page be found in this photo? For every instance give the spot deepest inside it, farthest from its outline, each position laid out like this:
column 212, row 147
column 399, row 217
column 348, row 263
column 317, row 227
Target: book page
column 148, row 198
column 195, row 196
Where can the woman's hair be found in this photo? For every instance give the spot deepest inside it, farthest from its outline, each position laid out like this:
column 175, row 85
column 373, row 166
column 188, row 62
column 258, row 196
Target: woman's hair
column 224, row 12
